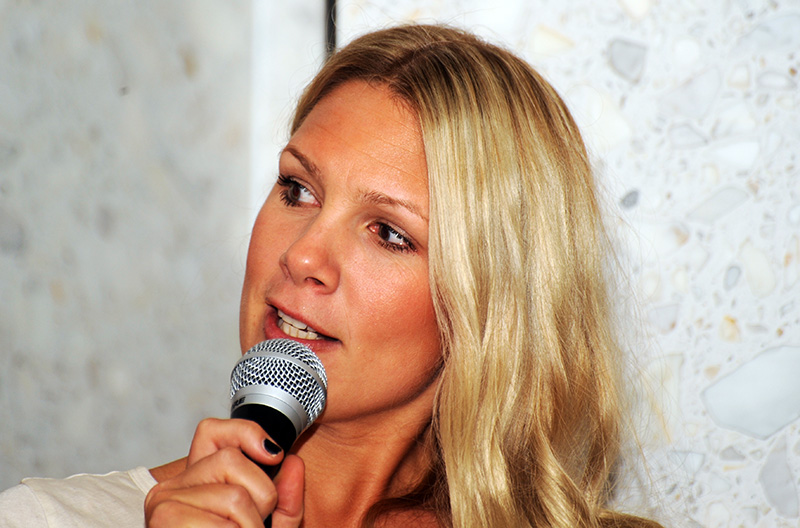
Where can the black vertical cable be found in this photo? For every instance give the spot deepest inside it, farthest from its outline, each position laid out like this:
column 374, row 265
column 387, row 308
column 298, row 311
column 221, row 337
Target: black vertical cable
column 330, row 27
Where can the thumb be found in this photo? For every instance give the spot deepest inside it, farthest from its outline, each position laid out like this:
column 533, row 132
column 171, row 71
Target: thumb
column 290, row 485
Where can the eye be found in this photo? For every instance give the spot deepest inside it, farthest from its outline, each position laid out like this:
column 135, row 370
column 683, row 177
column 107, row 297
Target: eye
column 390, row 238
column 293, row 193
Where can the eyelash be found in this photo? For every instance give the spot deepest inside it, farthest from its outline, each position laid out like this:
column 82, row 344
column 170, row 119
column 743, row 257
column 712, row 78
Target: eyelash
column 408, row 247
column 289, row 185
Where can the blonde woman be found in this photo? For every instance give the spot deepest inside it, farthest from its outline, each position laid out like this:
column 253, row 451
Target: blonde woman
column 435, row 227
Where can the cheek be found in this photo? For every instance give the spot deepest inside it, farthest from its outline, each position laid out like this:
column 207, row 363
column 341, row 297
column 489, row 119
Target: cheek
column 251, row 308
column 271, row 236
column 259, row 257
column 401, row 312
column 263, row 262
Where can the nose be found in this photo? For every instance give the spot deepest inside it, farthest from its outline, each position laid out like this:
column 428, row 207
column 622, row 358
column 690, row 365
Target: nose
column 309, row 260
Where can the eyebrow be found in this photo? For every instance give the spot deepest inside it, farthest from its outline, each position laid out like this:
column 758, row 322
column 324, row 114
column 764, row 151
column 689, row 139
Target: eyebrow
column 307, row 164
column 378, row 198
column 369, row 197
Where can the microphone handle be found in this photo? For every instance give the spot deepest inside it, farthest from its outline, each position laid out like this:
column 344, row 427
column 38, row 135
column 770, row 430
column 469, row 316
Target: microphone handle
column 277, row 425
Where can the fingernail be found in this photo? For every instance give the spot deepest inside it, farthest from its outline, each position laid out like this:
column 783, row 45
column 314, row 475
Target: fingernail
column 271, row 447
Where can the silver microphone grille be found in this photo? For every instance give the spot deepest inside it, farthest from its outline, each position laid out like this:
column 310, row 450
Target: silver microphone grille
column 288, row 366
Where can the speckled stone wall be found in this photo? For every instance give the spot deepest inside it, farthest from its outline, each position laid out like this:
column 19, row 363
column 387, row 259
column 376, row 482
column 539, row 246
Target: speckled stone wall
column 692, row 112
column 124, row 211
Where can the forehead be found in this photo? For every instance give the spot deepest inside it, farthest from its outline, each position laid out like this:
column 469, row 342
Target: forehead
column 361, row 126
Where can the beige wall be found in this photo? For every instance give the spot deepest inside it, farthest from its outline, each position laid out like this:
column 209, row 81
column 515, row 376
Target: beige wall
column 124, row 139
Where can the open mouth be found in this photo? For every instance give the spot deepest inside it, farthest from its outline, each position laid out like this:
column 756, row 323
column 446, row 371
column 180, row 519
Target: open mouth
column 294, row 328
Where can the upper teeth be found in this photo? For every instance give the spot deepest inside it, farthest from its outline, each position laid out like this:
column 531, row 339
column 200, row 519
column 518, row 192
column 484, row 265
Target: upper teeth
column 294, row 328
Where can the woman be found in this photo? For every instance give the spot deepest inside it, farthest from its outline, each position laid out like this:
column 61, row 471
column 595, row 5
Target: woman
column 435, row 235
column 435, row 224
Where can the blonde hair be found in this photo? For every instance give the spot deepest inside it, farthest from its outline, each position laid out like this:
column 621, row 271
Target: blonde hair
column 526, row 421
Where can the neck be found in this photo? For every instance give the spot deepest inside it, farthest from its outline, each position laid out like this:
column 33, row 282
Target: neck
column 349, row 468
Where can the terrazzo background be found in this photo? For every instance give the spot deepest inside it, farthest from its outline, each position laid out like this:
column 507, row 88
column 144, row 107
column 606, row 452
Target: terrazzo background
column 137, row 142
column 692, row 112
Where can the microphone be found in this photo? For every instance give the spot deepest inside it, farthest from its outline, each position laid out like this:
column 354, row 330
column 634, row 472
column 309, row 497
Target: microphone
column 281, row 385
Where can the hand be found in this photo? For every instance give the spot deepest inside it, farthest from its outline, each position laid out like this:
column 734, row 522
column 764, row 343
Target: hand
column 222, row 486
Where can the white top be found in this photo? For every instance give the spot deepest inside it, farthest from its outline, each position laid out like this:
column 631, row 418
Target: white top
column 82, row 501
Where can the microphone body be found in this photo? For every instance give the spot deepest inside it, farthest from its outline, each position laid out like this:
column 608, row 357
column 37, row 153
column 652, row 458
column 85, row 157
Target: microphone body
column 281, row 385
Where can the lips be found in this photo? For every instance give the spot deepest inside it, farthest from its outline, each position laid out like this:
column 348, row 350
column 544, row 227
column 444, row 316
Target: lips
column 297, row 329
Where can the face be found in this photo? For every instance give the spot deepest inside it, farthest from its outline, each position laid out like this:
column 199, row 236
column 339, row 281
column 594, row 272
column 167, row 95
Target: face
column 338, row 256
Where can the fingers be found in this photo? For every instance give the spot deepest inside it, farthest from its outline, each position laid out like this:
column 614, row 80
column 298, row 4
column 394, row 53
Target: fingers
column 228, row 466
column 212, row 505
column 178, row 514
column 221, row 486
column 289, row 484
column 214, row 434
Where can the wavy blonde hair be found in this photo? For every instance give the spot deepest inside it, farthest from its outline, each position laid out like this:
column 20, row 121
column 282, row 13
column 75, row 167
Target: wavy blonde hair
column 525, row 428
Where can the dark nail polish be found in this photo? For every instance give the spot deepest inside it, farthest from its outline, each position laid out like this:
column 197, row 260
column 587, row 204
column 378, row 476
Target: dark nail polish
column 271, row 447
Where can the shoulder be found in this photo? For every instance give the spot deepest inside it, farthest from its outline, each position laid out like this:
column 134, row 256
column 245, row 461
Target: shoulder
column 113, row 499
column 20, row 508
